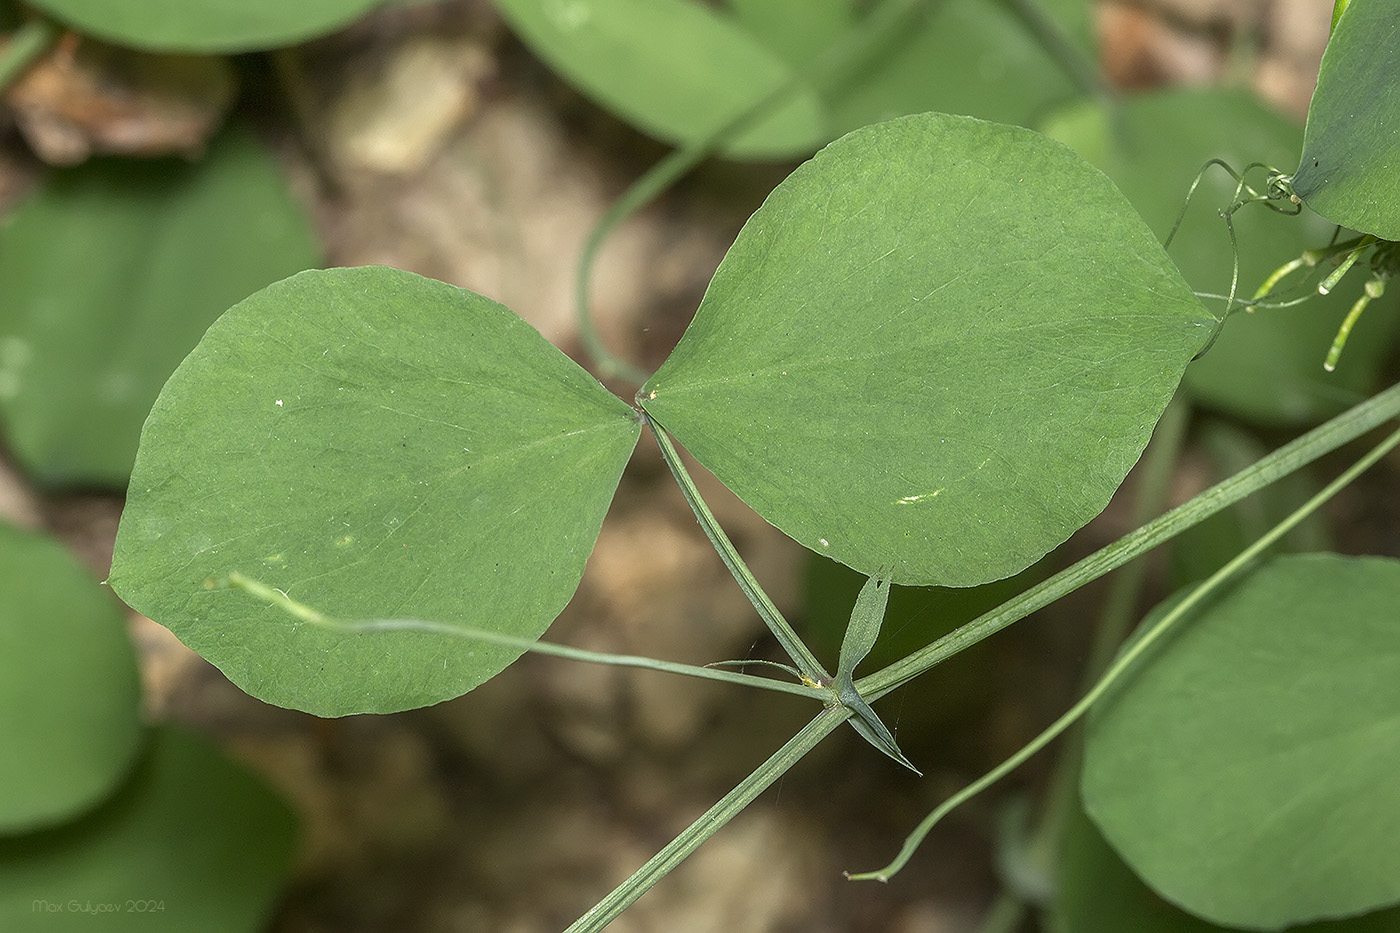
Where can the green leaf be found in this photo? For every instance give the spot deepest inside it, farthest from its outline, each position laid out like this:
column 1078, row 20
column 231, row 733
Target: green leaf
column 936, row 349
column 1266, row 366
column 377, row 445
column 675, row 68
column 108, row 277
column 869, row 726
column 918, row 616
column 1338, row 8
column 798, row 30
column 960, row 56
column 864, row 627
column 680, row 70
column 1095, row 893
column 205, row 25
column 861, row 633
column 1247, row 773
column 1352, row 145
column 191, row 842
column 69, row 690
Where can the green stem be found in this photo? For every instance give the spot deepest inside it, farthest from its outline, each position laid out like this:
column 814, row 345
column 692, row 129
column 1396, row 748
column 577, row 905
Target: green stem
column 1371, row 290
column 26, row 45
column 676, row 851
column 1130, row 655
column 306, row 614
column 1298, row 453
column 873, row 30
column 1119, row 612
column 1115, row 622
column 1277, row 276
column 657, row 179
column 1292, row 456
column 800, row 654
column 1336, row 275
column 1305, row 449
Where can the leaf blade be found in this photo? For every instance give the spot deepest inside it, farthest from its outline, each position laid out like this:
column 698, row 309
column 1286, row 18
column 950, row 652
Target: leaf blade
column 206, row 25
column 373, row 443
column 110, row 274
column 675, row 68
column 70, row 692
column 864, row 628
column 192, row 841
column 1267, row 731
column 1352, row 142
column 871, row 371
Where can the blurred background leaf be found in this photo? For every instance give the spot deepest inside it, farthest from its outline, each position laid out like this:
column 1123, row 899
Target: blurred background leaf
column 205, row 25
column 191, row 841
column 70, row 693
column 109, row 275
column 1246, row 771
